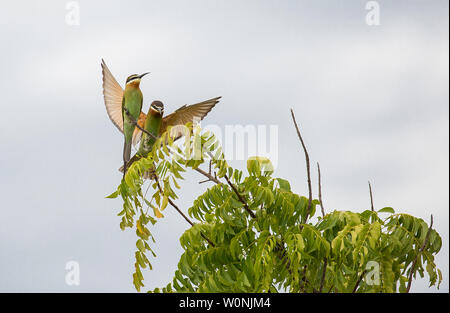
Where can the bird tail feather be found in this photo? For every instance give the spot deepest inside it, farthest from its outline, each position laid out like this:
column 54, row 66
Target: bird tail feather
column 126, row 155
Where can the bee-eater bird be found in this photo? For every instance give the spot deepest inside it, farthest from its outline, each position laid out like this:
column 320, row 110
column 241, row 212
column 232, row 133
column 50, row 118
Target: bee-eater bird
column 114, row 94
column 131, row 109
column 130, row 106
column 156, row 124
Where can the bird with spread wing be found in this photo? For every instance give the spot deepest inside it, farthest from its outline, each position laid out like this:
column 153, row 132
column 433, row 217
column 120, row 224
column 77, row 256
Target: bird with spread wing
column 153, row 122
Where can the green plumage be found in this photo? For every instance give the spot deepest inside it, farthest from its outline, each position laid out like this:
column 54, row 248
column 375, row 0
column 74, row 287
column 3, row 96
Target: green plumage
column 132, row 101
column 153, row 126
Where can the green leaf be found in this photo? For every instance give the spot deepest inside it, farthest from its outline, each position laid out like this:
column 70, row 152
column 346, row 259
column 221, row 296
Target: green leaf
column 140, row 245
column 386, row 210
column 164, row 203
column 113, row 195
column 284, row 184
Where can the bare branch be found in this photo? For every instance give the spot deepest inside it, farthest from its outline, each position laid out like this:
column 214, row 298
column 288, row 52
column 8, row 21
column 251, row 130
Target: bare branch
column 208, row 175
column 307, row 167
column 371, row 197
column 427, row 237
column 320, row 190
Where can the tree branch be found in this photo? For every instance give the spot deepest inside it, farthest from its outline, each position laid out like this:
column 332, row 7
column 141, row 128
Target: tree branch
column 359, row 281
column 307, row 167
column 136, row 124
column 371, row 198
column 320, row 190
column 182, row 214
column 209, row 176
column 427, row 237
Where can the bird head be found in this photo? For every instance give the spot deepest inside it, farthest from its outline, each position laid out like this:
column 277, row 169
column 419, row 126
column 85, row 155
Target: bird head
column 135, row 79
column 157, row 107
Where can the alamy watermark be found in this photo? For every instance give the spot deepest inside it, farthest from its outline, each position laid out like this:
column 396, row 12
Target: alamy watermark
column 73, row 14
column 373, row 14
column 72, row 273
column 236, row 142
column 372, row 277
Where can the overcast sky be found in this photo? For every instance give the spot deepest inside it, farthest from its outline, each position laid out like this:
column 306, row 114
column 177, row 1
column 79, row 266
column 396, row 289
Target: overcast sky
column 372, row 103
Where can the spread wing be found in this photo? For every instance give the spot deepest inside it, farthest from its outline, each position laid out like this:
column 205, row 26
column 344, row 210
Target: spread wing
column 113, row 93
column 187, row 113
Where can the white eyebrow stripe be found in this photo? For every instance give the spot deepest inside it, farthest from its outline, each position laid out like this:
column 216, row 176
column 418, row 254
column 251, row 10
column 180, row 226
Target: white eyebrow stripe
column 154, row 108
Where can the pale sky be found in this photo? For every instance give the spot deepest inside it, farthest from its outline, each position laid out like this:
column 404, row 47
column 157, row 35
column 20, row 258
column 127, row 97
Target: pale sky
column 372, row 103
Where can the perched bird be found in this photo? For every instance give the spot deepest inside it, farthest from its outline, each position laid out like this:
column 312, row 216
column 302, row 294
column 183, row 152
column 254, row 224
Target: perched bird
column 156, row 124
column 130, row 106
column 131, row 110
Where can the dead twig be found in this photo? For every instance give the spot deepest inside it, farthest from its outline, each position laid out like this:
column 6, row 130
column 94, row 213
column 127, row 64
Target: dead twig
column 320, row 191
column 308, row 170
column 371, row 197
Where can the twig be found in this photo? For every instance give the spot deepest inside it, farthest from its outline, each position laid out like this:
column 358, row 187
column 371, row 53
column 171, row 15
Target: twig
column 427, row 237
column 241, row 199
column 331, row 288
column 208, row 175
column 173, row 204
column 182, row 214
column 371, row 197
column 322, row 281
column 307, row 167
column 136, row 124
column 320, row 191
column 359, row 281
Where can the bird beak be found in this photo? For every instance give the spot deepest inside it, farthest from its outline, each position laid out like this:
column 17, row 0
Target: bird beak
column 140, row 76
